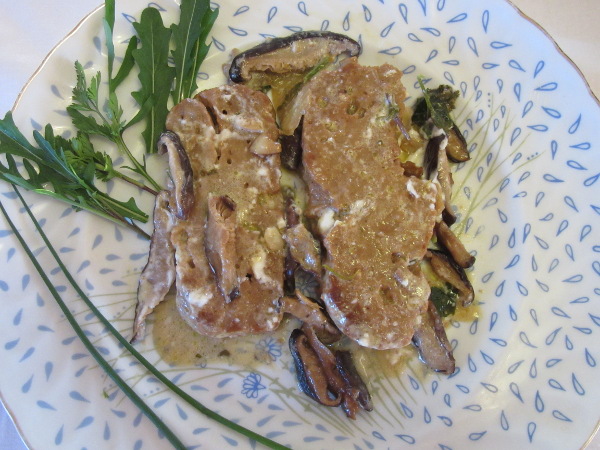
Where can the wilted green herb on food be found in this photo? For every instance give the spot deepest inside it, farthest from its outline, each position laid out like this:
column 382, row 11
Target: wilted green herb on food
column 444, row 299
column 436, row 104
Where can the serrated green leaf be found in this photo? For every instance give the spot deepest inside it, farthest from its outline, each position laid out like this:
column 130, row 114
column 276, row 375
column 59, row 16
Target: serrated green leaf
column 88, row 124
column 199, row 54
column 155, row 74
column 13, row 142
column 185, row 36
column 126, row 65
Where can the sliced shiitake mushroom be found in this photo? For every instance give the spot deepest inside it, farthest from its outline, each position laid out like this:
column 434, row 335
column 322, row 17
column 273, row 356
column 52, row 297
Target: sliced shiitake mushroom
column 181, row 173
column 346, row 366
column 220, row 244
column 457, row 146
column 291, row 148
column 309, row 371
column 337, row 384
column 448, row 240
column 304, row 248
column 158, row 275
column 298, row 52
column 330, row 379
column 311, row 313
column 432, row 343
column 449, row 271
column 436, row 165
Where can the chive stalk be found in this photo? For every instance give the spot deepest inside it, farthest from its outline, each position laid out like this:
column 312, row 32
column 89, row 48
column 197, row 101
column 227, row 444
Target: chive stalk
column 152, row 369
column 148, row 412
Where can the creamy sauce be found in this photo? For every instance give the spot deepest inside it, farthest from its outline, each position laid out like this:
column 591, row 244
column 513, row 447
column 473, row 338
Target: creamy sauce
column 178, row 344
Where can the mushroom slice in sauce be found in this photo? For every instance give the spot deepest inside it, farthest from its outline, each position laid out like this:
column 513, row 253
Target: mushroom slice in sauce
column 432, row 343
column 295, row 53
column 219, row 244
column 159, row 273
column 445, row 268
column 304, row 249
column 457, row 146
column 291, row 148
column 345, row 364
column 336, row 382
column 309, row 312
column 309, row 371
column 437, row 166
column 447, row 239
column 181, row 173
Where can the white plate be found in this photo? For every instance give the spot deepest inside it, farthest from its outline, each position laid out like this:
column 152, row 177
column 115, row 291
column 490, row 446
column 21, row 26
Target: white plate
column 528, row 366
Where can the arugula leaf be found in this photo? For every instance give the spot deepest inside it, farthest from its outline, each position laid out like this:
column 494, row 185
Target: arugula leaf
column 434, row 108
column 155, row 75
column 200, row 52
column 126, row 65
column 189, row 36
column 108, row 23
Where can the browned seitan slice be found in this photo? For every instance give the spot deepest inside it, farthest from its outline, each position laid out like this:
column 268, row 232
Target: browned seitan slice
column 375, row 221
column 230, row 136
column 159, row 273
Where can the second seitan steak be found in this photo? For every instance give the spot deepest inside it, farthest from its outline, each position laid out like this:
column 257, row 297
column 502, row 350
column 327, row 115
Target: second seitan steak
column 375, row 222
column 229, row 250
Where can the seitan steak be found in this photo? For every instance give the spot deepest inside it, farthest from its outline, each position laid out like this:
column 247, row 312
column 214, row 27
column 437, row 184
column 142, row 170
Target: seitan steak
column 375, row 221
column 229, row 278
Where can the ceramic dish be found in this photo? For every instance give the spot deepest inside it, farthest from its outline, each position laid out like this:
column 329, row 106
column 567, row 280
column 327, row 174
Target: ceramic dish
column 527, row 366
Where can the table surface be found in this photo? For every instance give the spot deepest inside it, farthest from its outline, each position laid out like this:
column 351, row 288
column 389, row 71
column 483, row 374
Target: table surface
column 28, row 35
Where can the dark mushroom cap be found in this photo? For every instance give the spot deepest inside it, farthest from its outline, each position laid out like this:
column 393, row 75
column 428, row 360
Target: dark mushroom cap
column 312, row 45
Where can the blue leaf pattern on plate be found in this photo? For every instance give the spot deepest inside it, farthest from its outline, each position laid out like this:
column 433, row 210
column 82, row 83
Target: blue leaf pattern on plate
column 528, row 211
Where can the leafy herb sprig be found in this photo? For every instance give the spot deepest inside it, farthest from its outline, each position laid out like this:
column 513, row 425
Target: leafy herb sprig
column 152, row 369
column 90, row 118
column 434, row 108
column 161, row 81
column 65, row 170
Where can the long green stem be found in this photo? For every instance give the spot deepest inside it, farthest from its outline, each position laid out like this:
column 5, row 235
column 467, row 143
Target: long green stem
column 130, row 181
column 164, row 429
column 141, row 169
column 119, row 220
column 181, row 393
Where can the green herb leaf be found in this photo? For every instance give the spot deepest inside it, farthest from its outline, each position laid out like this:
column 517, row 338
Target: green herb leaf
column 200, row 52
column 189, row 35
column 84, row 112
column 126, row 65
column 65, row 170
column 444, row 299
column 155, row 74
column 434, row 108
column 108, row 24
column 88, row 124
column 322, row 64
